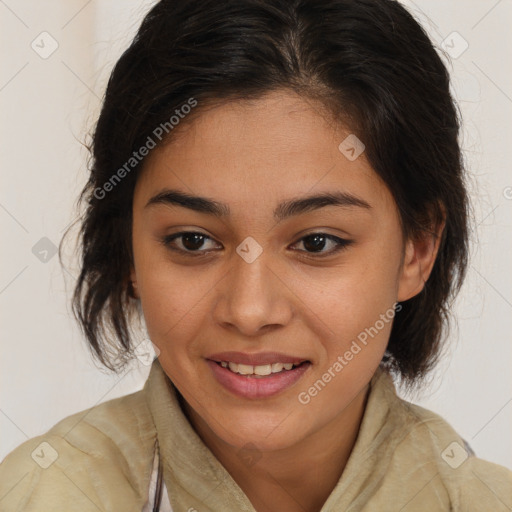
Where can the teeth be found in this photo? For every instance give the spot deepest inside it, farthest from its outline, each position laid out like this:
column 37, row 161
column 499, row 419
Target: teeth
column 264, row 369
column 244, row 369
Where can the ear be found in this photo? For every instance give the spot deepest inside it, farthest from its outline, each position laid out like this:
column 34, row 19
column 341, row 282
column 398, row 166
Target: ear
column 132, row 284
column 419, row 258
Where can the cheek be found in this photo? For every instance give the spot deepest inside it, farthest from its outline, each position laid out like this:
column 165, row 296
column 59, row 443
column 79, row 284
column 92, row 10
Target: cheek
column 353, row 295
column 356, row 305
column 171, row 305
column 171, row 296
column 358, row 310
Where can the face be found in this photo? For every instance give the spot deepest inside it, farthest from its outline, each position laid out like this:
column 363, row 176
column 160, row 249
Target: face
column 256, row 275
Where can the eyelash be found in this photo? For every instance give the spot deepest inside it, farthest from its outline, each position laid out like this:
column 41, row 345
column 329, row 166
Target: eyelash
column 341, row 244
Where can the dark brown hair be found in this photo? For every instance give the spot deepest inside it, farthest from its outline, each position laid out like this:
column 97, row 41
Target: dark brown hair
column 370, row 64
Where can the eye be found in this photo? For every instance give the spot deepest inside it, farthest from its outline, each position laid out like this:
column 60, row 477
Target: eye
column 315, row 242
column 191, row 242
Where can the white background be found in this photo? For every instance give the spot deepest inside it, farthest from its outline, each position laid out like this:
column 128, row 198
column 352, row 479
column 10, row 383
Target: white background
column 48, row 106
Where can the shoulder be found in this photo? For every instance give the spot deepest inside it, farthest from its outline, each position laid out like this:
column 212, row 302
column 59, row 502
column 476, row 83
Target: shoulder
column 426, row 439
column 98, row 458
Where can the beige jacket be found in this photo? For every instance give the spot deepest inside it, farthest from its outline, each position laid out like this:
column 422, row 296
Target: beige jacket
column 406, row 459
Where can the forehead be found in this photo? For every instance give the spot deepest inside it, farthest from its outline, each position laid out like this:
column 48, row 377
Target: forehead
column 280, row 123
column 259, row 151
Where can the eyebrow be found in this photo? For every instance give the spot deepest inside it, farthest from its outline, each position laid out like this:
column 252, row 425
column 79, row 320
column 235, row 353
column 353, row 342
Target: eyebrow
column 283, row 211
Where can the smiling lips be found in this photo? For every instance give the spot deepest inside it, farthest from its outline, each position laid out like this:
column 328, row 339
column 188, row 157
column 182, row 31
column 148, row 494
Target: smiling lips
column 256, row 375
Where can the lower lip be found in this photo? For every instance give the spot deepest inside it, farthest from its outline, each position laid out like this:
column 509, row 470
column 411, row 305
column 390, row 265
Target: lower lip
column 257, row 387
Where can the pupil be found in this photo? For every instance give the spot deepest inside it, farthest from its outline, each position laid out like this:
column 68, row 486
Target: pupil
column 193, row 236
column 315, row 245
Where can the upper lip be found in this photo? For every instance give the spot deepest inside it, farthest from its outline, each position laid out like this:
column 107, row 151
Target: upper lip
column 256, row 359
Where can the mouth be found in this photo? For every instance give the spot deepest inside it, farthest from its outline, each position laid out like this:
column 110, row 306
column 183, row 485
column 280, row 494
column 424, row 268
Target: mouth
column 272, row 374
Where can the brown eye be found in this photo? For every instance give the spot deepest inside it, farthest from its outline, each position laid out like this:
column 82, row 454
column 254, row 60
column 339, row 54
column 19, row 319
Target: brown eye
column 191, row 242
column 314, row 243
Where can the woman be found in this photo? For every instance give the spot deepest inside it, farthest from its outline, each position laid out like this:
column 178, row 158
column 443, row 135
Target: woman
column 277, row 187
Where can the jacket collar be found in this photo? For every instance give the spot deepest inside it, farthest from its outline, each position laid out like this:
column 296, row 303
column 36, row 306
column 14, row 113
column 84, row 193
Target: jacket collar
column 195, row 478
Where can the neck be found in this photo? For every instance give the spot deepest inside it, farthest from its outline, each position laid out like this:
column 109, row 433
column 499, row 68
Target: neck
column 299, row 477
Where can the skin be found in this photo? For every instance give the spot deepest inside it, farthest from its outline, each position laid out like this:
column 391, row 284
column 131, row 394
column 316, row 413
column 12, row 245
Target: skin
column 251, row 156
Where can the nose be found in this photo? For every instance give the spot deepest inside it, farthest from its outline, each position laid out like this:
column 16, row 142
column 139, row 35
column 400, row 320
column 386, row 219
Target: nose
column 253, row 297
